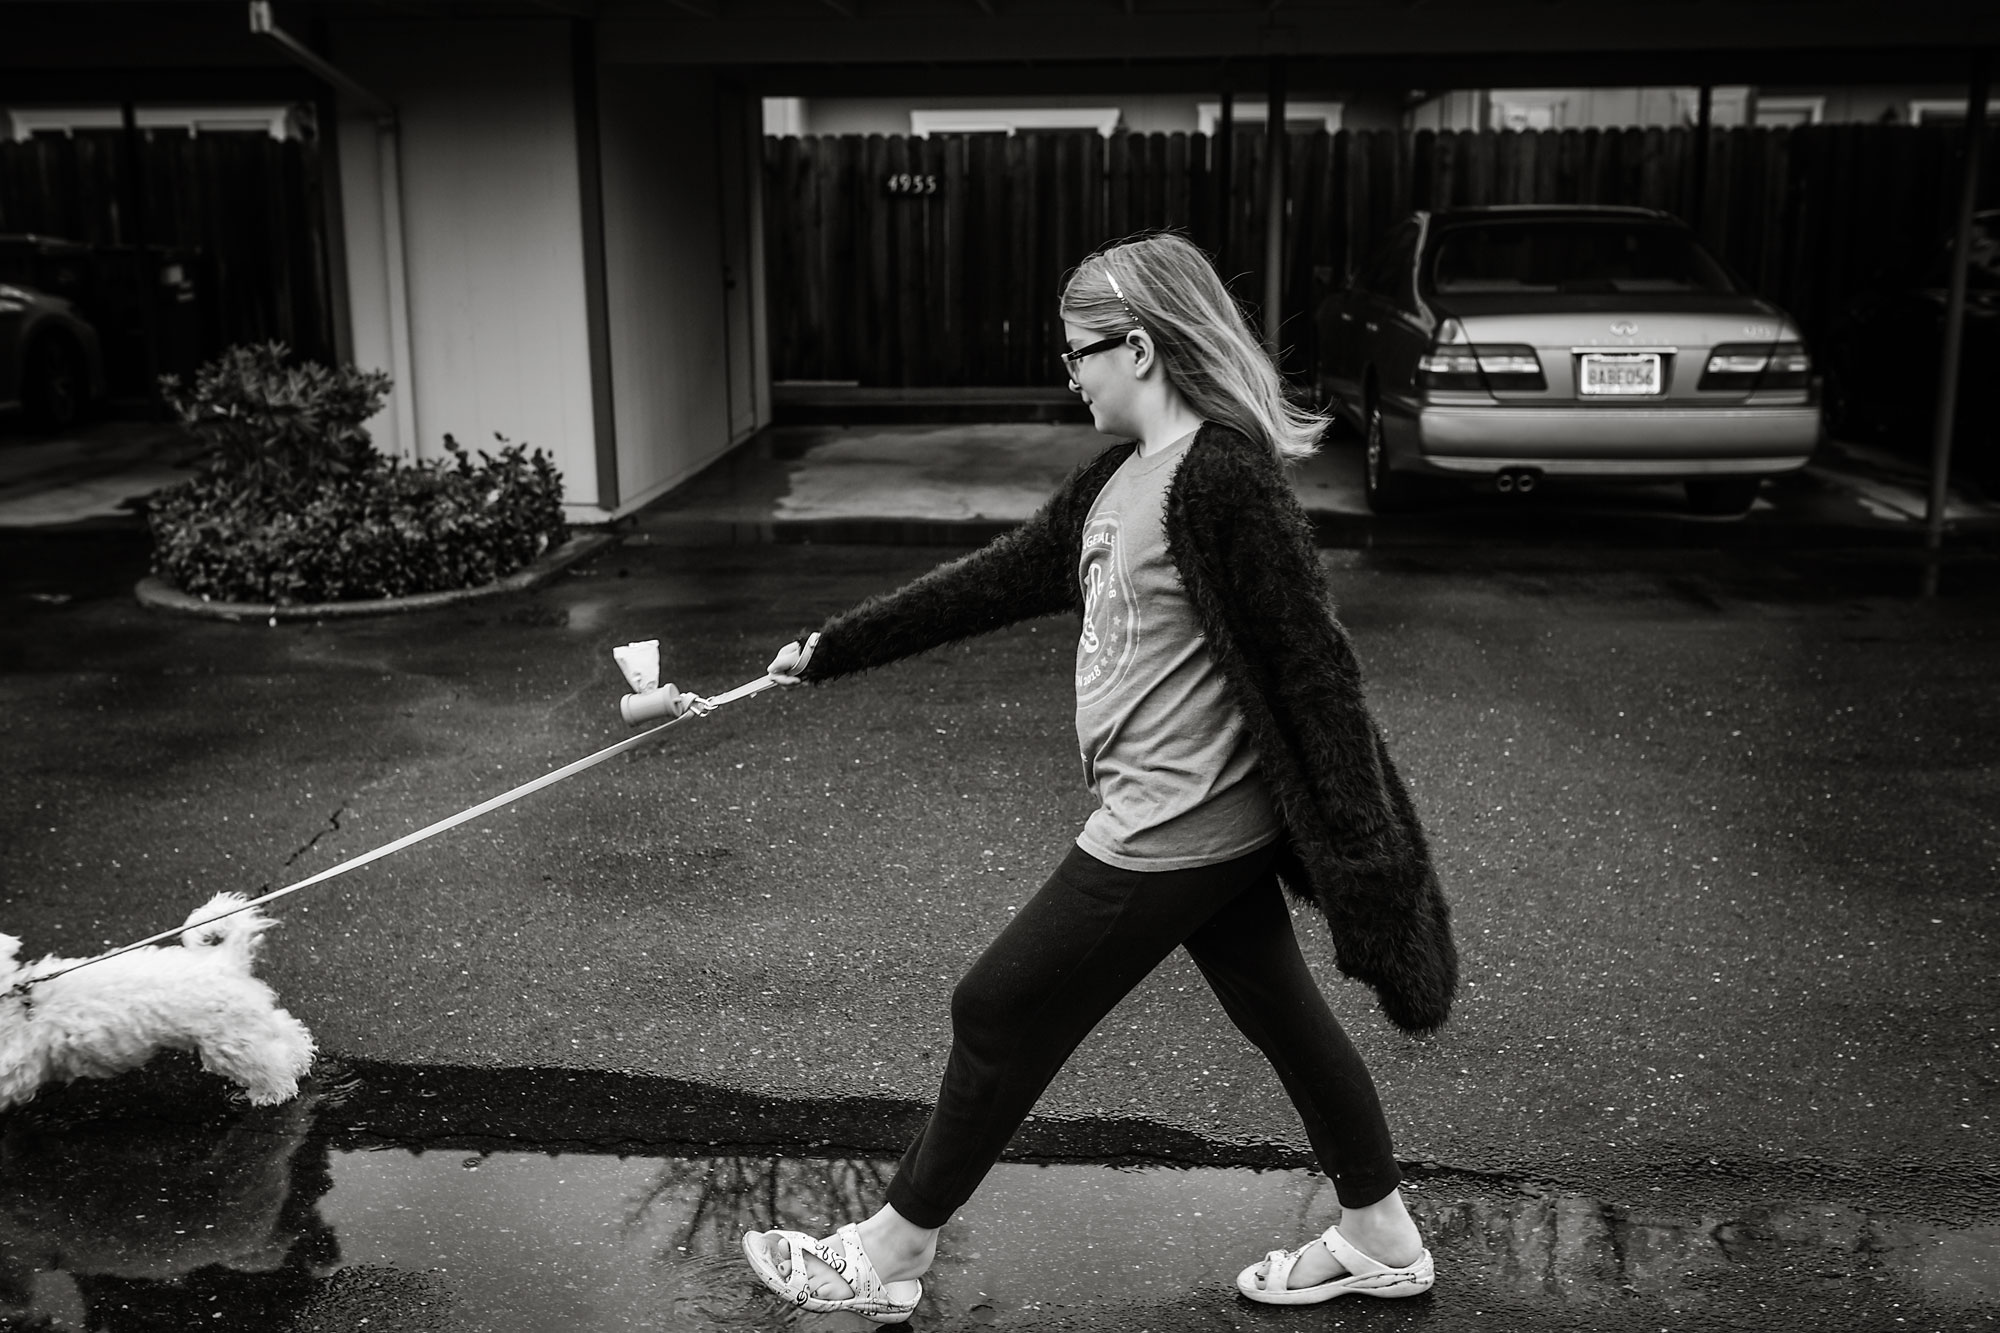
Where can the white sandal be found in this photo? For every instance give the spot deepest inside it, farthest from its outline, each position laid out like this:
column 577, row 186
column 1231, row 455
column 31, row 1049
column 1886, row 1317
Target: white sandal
column 883, row 1302
column 1364, row 1276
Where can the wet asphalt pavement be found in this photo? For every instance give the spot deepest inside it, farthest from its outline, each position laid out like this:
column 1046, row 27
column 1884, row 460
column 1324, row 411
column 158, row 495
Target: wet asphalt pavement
column 1720, row 831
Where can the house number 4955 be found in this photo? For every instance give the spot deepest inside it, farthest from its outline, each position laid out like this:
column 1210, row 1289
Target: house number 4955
column 906, row 183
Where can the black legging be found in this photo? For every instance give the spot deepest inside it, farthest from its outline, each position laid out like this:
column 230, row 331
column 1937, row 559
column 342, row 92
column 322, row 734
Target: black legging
column 1078, row 947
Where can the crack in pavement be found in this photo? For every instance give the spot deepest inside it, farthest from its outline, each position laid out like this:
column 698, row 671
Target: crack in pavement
column 332, row 826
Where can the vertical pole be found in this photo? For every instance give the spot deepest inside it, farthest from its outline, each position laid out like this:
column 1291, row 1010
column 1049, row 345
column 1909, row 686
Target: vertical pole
column 402, row 358
column 133, row 231
column 1978, row 86
column 1704, row 108
column 596, row 299
column 333, row 224
column 1274, row 206
column 1225, row 170
column 128, row 168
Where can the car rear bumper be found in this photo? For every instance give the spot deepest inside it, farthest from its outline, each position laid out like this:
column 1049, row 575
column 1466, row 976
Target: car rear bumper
column 1597, row 441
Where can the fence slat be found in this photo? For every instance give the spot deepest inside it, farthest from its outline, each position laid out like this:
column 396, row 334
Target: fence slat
column 961, row 290
column 243, row 214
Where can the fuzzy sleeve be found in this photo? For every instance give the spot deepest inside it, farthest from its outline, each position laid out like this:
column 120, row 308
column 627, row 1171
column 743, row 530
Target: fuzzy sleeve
column 1028, row 572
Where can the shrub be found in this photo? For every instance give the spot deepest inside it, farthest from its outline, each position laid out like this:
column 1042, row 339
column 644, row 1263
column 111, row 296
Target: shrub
column 293, row 504
column 279, row 430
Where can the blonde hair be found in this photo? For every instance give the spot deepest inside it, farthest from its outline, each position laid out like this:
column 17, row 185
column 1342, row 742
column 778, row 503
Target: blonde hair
column 1164, row 284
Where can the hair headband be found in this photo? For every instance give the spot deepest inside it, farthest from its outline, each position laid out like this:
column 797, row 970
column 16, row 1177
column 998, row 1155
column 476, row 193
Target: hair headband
column 1119, row 292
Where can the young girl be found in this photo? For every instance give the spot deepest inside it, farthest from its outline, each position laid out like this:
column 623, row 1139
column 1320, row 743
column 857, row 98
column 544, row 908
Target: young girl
column 1220, row 714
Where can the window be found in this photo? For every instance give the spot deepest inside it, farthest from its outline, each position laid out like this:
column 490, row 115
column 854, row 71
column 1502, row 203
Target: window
column 1726, row 106
column 1298, row 115
column 280, row 122
column 1527, row 109
column 784, row 115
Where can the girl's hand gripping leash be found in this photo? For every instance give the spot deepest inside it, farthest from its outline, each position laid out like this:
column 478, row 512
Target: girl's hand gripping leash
column 789, row 666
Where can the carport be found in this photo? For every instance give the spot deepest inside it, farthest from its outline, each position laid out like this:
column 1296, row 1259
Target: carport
column 547, row 218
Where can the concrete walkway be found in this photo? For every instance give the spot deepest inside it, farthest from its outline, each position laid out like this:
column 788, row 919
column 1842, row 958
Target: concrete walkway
column 97, row 473
column 954, row 484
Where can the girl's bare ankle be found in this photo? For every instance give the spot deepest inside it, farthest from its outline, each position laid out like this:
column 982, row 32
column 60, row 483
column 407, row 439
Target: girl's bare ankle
column 897, row 1249
column 1384, row 1231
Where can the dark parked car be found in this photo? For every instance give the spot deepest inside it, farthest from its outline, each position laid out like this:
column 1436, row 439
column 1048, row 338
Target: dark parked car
column 51, row 366
column 1508, row 344
column 1882, row 360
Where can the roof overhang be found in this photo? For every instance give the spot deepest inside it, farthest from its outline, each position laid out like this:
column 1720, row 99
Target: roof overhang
column 1349, row 34
column 830, row 47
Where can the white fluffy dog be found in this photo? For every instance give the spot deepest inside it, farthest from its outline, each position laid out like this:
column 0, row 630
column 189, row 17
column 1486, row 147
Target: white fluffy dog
column 113, row 1016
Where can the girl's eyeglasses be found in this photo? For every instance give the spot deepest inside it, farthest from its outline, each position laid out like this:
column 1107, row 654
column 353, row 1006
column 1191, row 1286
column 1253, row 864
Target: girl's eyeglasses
column 1069, row 359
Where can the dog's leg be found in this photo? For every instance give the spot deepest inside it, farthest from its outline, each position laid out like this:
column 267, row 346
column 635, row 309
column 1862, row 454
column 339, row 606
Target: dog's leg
column 266, row 1053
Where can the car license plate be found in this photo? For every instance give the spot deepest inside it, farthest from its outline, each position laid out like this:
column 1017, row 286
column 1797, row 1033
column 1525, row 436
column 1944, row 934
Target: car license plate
column 1621, row 373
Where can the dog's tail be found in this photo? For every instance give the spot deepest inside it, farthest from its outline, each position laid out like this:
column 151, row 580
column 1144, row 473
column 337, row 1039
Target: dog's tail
column 237, row 936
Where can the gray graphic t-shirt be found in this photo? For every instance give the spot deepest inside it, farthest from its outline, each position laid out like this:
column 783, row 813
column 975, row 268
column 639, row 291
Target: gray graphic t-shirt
column 1164, row 747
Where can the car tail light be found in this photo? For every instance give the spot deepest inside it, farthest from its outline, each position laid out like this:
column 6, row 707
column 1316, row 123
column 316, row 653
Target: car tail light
column 1747, row 366
column 1449, row 368
column 1489, row 366
column 1511, row 366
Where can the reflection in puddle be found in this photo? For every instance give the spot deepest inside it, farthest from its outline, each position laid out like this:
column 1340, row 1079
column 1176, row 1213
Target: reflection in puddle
column 233, row 1225
column 145, row 1226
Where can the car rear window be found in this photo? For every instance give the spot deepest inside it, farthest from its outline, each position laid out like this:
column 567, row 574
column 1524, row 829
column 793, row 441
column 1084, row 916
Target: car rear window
column 1573, row 255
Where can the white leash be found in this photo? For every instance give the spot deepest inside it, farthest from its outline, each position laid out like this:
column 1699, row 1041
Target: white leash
column 698, row 707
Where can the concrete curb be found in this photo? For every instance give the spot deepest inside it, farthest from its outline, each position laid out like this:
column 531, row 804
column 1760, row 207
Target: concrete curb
column 160, row 595
column 1342, row 530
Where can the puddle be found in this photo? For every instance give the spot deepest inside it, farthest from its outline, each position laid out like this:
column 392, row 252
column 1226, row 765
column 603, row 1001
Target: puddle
column 260, row 1222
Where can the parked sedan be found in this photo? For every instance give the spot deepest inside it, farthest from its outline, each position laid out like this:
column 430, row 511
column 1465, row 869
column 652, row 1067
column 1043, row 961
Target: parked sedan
column 50, row 365
column 1504, row 345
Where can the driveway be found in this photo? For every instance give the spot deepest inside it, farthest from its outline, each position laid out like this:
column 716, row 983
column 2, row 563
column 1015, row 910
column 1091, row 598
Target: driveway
column 1719, row 830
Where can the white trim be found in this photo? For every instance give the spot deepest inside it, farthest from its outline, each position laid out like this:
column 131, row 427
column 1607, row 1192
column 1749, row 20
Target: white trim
column 1009, row 120
column 276, row 121
column 1206, row 114
column 1949, row 108
column 1788, row 110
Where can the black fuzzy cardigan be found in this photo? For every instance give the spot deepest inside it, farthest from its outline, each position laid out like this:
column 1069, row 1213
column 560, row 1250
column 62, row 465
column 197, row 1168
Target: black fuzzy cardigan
column 1245, row 554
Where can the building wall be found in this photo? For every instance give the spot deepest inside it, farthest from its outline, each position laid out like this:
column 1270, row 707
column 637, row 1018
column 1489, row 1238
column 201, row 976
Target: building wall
column 1612, row 108
column 492, row 232
column 664, row 281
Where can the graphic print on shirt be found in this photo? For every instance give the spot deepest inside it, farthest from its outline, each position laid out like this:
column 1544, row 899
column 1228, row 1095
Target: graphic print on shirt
column 1110, row 637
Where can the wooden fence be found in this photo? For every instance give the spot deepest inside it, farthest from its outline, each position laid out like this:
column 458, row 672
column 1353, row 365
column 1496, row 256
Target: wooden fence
column 245, row 208
column 937, row 261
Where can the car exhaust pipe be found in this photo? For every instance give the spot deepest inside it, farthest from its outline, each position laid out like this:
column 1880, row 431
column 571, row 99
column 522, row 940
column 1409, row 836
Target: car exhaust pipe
column 1516, row 480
